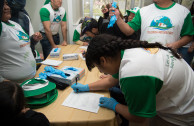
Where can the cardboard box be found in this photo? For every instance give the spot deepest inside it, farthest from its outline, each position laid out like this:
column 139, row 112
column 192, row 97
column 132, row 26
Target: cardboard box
column 73, row 56
column 72, row 73
column 55, row 52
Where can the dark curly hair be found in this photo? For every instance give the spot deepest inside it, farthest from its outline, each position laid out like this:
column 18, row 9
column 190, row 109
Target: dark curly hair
column 109, row 46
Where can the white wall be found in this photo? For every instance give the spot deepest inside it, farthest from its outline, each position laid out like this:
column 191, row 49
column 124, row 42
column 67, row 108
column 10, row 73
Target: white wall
column 77, row 10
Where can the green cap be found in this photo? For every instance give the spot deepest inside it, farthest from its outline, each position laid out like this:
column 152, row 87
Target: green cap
column 39, row 92
column 132, row 10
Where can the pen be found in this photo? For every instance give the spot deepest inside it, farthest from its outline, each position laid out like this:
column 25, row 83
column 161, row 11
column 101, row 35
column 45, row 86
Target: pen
column 76, row 82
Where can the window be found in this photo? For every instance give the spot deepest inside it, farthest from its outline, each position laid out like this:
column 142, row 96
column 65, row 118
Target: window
column 92, row 8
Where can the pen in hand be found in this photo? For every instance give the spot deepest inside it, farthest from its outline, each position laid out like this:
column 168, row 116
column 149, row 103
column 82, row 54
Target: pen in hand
column 76, row 82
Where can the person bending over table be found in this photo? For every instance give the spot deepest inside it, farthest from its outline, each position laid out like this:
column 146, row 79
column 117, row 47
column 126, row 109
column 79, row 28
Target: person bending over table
column 52, row 16
column 155, row 81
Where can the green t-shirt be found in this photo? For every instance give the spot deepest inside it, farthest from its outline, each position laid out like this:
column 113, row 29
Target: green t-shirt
column 47, row 1
column 45, row 15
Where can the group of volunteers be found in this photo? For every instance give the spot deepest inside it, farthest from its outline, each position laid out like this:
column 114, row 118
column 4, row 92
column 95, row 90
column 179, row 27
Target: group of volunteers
column 146, row 56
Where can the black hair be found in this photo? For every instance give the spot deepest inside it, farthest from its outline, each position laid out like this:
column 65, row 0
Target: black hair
column 192, row 9
column 16, row 5
column 12, row 101
column 1, row 8
column 93, row 24
column 88, row 24
column 109, row 46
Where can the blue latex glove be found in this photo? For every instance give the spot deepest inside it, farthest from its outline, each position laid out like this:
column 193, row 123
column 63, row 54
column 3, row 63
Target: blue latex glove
column 113, row 18
column 109, row 103
column 44, row 75
column 80, row 87
column 71, row 68
column 50, row 69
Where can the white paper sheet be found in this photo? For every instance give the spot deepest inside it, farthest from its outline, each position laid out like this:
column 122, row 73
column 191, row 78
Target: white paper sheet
column 51, row 62
column 83, row 47
column 84, row 101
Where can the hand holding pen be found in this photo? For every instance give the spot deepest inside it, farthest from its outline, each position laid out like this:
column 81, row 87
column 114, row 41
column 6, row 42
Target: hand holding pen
column 77, row 87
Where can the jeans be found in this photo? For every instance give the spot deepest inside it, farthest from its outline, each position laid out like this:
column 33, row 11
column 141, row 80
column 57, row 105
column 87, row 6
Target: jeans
column 188, row 57
column 46, row 46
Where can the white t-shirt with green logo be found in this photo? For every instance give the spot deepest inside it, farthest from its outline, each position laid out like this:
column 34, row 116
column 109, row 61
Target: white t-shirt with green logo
column 17, row 61
column 163, row 25
column 157, row 83
column 54, row 16
column 77, row 34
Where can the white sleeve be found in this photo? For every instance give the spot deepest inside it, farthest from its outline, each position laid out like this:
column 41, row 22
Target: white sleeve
column 1, row 78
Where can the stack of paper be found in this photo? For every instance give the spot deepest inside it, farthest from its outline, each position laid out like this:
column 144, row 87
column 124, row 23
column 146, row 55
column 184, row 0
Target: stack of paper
column 84, row 101
column 51, row 62
column 84, row 47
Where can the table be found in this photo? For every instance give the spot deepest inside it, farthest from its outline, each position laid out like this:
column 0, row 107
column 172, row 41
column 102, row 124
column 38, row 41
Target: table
column 60, row 115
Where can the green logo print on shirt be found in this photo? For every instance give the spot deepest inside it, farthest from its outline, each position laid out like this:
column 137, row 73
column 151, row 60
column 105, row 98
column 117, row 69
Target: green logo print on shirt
column 57, row 18
column 22, row 36
column 170, row 61
column 161, row 23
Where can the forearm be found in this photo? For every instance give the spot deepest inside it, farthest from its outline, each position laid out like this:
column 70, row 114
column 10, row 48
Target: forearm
column 123, row 110
column 49, row 37
column 124, row 27
column 103, row 84
column 79, row 43
column 64, row 32
column 183, row 41
column 33, row 41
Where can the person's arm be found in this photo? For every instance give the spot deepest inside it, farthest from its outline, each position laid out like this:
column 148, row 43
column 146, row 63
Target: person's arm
column 45, row 19
column 103, row 84
column 79, row 42
column 181, row 42
column 64, row 32
column 48, row 33
column 191, row 48
column 186, row 34
column 123, row 110
column 37, row 37
column 124, row 27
